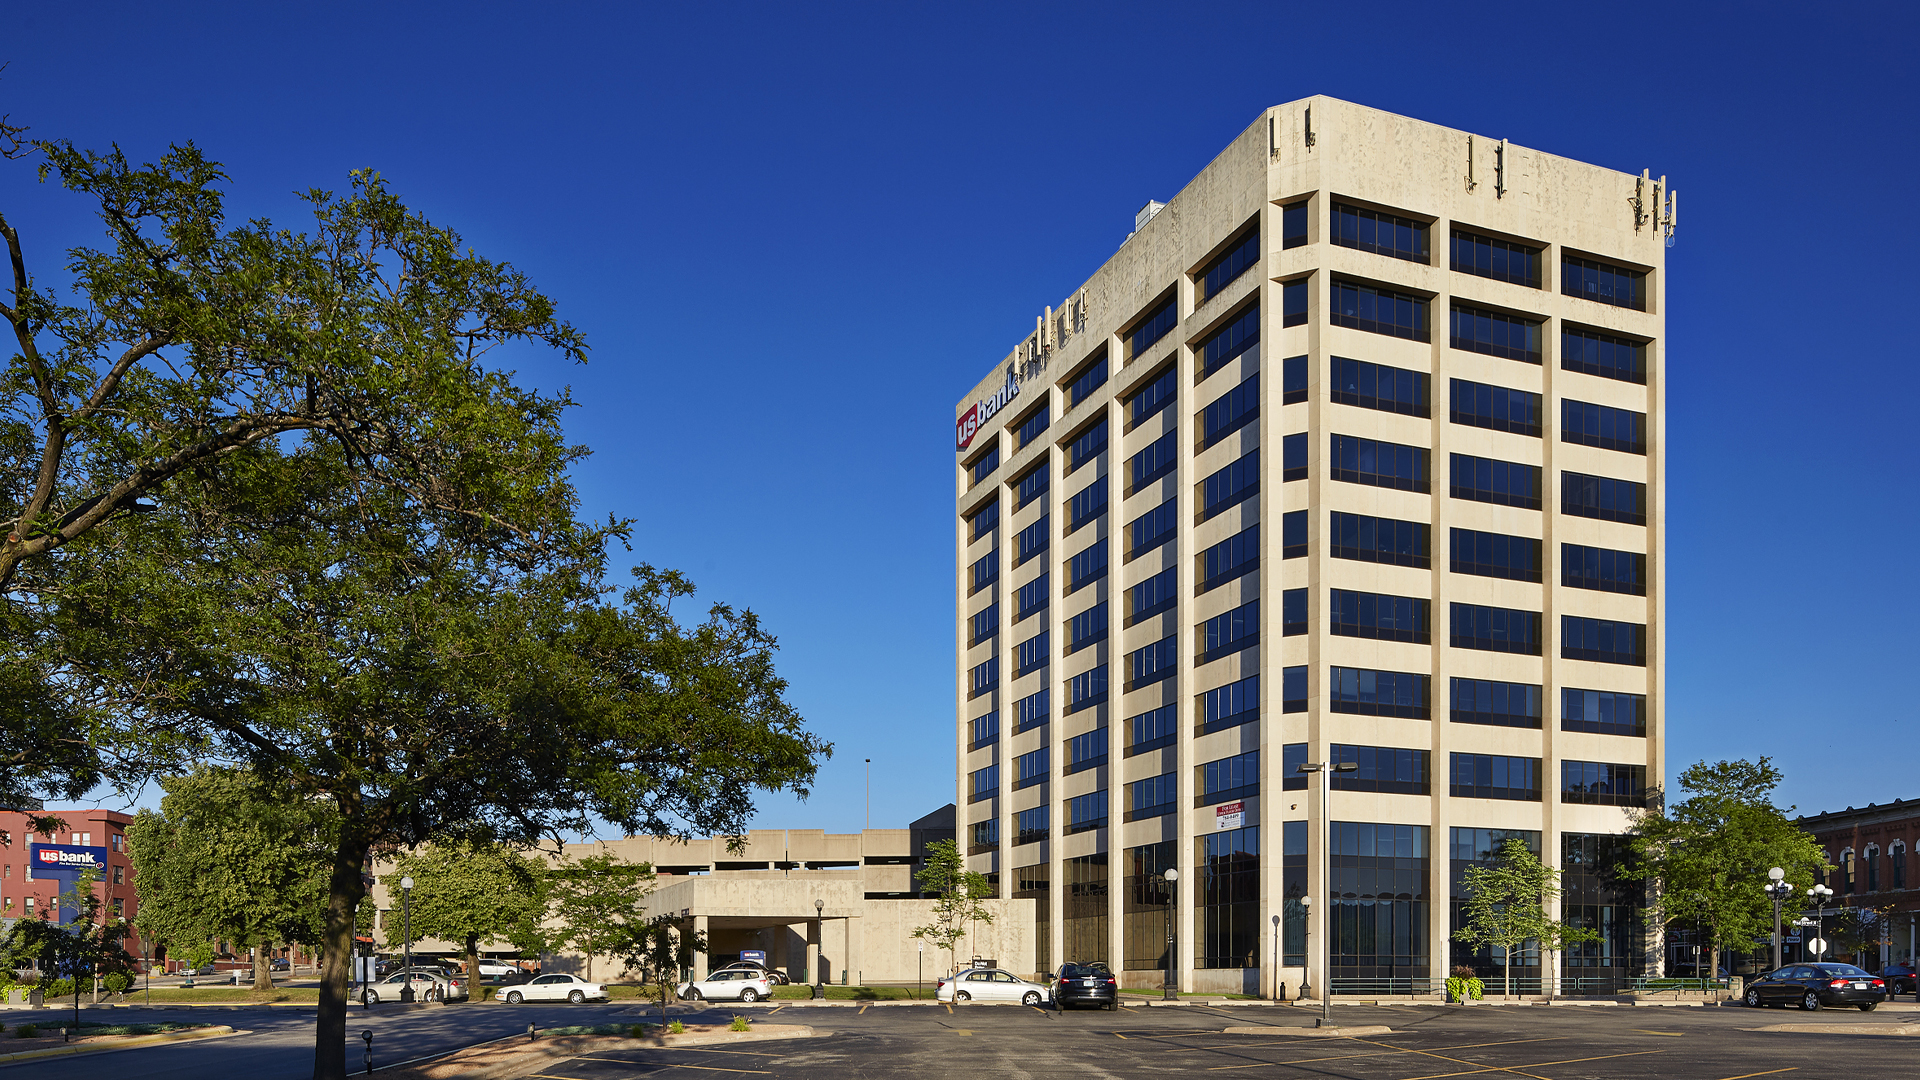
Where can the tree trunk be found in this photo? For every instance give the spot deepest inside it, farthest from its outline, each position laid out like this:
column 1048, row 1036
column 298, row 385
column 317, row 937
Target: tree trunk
column 344, row 892
column 473, row 967
column 262, row 968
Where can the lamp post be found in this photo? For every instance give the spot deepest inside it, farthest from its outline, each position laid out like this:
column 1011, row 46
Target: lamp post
column 1170, row 990
column 1306, row 966
column 1325, row 769
column 1819, row 894
column 1777, row 891
column 406, row 929
column 1276, row 957
column 819, row 919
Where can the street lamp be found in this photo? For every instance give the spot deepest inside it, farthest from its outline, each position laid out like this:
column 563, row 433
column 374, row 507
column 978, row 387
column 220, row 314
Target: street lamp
column 1276, row 957
column 1306, row 968
column 1326, row 866
column 1777, row 891
column 406, row 924
column 1818, row 894
column 819, row 917
column 1170, row 990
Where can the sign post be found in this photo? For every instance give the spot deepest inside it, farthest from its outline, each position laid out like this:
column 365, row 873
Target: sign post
column 923, row 967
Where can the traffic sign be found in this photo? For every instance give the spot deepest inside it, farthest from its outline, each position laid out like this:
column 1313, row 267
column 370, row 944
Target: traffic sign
column 1818, row 945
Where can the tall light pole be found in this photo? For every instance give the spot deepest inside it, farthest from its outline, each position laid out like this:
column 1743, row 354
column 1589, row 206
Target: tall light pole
column 1306, row 957
column 1326, row 769
column 1819, row 894
column 1276, row 957
column 1777, row 891
column 406, row 924
column 1170, row 989
column 869, row 793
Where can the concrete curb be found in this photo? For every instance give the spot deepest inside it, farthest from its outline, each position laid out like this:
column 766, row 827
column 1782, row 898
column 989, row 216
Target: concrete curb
column 1844, row 1029
column 1355, row 1031
column 127, row 1043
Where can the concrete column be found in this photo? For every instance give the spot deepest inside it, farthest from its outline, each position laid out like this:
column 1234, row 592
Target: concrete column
column 855, row 951
column 813, row 950
column 699, row 958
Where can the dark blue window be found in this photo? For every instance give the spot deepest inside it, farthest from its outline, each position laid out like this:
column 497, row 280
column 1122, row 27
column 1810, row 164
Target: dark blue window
column 1087, row 567
column 1488, row 776
column 1030, row 711
column 1293, row 689
column 1293, row 303
column 1494, row 407
column 1091, row 379
column 1151, row 529
column 1495, row 629
column 984, row 465
column 1031, row 486
column 1293, row 534
column 1598, row 783
column 1230, row 486
column 986, row 624
column 986, row 571
column 1151, row 797
column 1086, row 812
column 1032, row 426
column 1379, row 616
column 1603, row 569
column 1153, row 596
column 1160, row 457
column 1242, row 256
column 1496, row 334
column 1503, row 483
column 1379, row 540
column 1376, row 693
column 1603, row 282
column 1501, row 260
column 1086, row 628
column 1230, row 706
column 1388, row 769
column 1607, row 428
column 1030, row 598
column 1031, row 541
column 1293, row 380
column 1088, row 503
column 1500, row 704
column 1230, row 777
column 1153, row 663
column 1235, row 557
column 1379, row 311
column 1488, row 554
column 1293, row 225
column 1152, row 730
column 1603, row 712
column 983, row 731
column 1228, row 632
column 1087, row 689
column 1603, row 641
column 1086, row 751
column 1231, row 340
column 1230, row 412
column 983, row 678
column 1030, row 769
column 1293, row 457
column 1292, row 756
column 1293, row 612
column 983, row 521
column 1031, row 654
column 1155, row 326
column 1377, row 386
column 1086, row 446
column 1153, row 397
column 986, row 834
column 1030, row 825
column 986, row 783
column 1609, row 357
column 1603, row 498
column 1380, row 464
column 1380, row 233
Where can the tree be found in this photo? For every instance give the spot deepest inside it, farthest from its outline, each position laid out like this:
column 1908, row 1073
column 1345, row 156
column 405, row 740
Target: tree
column 959, row 900
column 1857, row 931
column 1705, row 858
column 466, row 892
column 1508, row 903
column 85, row 947
column 595, row 904
column 230, row 856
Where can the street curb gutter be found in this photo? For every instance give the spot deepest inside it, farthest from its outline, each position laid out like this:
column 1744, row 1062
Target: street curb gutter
column 105, row 1047
column 1844, row 1029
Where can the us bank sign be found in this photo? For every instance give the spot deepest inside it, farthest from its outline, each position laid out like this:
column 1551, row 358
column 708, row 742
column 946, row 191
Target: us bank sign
column 983, row 410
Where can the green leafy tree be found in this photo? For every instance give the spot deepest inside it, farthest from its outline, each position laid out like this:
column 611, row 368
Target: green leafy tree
column 469, row 892
column 1508, row 904
column 959, row 898
column 596, row 906
column 660, row 951
column 1858, row 931
column 229, row 856
column 1706, row 857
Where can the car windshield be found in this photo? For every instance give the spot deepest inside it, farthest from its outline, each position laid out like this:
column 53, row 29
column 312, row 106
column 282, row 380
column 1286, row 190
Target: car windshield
column 1838, row 969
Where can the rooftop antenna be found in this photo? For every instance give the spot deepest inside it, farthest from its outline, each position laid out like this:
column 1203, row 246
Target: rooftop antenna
column 1500, row 170
column 1672, row 212
column 1639, row 198
column 1309, row 127
column 1471, row 182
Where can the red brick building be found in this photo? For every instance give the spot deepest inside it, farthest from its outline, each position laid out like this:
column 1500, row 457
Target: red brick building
column 27, row 894
column 1873, row 849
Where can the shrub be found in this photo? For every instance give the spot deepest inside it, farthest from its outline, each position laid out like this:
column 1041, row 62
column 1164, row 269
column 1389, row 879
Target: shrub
column 739, row 1024
column 58, row 988
column 117, row 983
column 639, row 1031
column 27, row 1031
column 677, row 1028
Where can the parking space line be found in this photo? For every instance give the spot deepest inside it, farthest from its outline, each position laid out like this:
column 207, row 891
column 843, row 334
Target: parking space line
column 715, row 1068
column 1535, row 1065
column 863, row 1010
column 1389, row 1052
column 1769, row 1072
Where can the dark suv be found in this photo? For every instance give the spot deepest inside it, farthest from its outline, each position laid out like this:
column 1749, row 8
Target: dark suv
column 1084, row 984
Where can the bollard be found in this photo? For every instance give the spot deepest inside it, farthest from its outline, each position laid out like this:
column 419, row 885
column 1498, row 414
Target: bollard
column 530, row 1030
column 63, row 1035
column 368, row 1036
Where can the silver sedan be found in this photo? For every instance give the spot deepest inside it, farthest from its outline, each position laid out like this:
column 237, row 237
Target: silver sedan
column 991, row 984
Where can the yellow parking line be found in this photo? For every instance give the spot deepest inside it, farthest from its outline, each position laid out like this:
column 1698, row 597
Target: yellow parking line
column 949, row 1010
column 1769, row 1072
column 1117, row 1035
column 1534, row 1065
column 1644, row 1031
column 863, row 1010
column 961, row 1031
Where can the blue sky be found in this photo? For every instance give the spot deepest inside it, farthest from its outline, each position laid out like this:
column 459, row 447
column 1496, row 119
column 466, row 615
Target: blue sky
column 794, row 236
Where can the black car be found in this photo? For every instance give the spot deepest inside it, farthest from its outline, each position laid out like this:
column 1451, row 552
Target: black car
column 1084, row 984
column 1900, row 980
column 1812, row 986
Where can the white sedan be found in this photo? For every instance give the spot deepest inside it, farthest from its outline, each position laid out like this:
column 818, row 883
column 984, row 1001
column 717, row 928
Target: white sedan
column 732, row 985
column 991, row 984
column 555, row 988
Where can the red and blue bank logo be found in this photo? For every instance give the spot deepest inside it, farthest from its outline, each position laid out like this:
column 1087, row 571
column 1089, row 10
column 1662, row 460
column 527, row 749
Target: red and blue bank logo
column 980, row 412
column 64, row 857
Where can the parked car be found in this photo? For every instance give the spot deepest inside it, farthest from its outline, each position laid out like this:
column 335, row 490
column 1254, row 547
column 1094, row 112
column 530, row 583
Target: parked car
column 1086, row 984
column 777, row 978
column 728, row 985
column 280, row 963
column 429, row 984
column 990, row 984
column 494, row 969
column 1812, row 986
column 556, row 988
column 1900, row 980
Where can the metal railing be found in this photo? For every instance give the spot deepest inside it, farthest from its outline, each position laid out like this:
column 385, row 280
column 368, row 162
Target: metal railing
column 1414, row 987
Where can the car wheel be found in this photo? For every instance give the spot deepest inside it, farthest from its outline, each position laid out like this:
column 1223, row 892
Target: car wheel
column 513, row 997
column 694, row 995
column 749, row 995
column 576, row 997
column 1868, row 1007
column 1811, row 1002
column 962, row 995
column 368, row 997
column 1031, row 999
column 1753, row 999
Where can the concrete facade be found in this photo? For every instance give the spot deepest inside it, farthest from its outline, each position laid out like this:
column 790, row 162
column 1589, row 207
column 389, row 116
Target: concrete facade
column 1306, row 157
